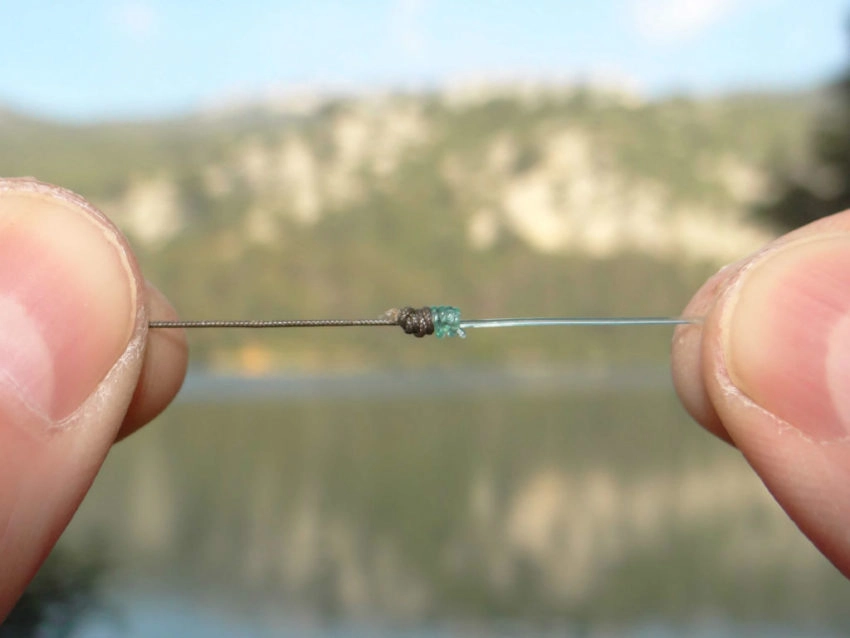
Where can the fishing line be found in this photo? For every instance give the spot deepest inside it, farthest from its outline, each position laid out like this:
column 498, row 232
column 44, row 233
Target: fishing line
column 442, row 321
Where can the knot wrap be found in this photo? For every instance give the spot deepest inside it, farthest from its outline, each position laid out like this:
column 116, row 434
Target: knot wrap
column 416, row 321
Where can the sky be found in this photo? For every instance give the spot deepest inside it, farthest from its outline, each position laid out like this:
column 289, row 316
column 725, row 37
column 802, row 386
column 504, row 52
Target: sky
column 99, row 59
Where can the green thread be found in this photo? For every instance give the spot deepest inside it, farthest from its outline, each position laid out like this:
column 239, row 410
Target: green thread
column 446, row 321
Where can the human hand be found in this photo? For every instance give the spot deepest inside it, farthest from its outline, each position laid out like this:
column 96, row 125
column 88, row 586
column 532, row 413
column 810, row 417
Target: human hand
column 78, row 369
column 769, row 372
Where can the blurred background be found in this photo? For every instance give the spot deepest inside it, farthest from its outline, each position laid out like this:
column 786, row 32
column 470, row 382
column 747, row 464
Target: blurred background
column 335, row 159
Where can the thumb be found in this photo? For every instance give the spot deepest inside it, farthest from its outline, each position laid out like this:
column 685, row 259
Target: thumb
column 770, row 371
column 71, row 348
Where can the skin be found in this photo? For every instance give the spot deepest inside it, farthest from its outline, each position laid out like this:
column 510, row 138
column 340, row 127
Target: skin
column 78, row 368
column 769, row 372
column 765, row 371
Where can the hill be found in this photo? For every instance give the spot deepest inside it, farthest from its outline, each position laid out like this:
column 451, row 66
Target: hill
column 501, row 200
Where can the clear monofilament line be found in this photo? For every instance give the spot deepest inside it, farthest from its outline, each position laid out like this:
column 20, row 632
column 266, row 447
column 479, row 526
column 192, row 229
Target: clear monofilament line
column 536, row 322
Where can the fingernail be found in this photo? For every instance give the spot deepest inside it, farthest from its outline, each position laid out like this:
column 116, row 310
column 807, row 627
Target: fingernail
column 67, row 302
column 786, row 327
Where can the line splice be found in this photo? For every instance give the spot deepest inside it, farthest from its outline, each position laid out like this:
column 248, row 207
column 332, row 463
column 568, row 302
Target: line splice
column 442, row 321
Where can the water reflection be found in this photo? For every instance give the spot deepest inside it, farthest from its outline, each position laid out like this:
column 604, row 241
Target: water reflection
column 518, row 496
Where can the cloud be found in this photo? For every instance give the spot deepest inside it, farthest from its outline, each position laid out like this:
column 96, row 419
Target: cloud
column 406, row 28
column 675, row 21
column 137, row 20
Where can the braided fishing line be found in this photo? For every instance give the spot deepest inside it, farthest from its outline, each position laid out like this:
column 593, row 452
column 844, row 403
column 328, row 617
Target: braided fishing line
column 442, row 321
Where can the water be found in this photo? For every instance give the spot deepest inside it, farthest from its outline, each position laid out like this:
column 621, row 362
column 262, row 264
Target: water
column 515, row 502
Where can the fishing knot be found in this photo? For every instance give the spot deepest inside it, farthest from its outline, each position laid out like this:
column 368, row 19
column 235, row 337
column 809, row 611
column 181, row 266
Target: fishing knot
column 446, row 321
column 416, row 321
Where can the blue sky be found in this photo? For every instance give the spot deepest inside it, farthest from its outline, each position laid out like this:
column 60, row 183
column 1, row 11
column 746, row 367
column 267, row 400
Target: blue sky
column 94, row 59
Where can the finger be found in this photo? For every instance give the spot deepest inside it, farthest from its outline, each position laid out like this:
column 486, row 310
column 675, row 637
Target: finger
column 71, row 349
column 687, row 365
column 687, row 356
column 163, row 370
column 774, row 363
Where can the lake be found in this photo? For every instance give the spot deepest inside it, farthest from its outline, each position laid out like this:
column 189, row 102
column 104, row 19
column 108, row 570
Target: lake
column 539, row 501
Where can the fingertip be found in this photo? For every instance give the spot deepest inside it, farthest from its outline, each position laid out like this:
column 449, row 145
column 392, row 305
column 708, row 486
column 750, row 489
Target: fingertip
column 689, row 380
column 688, row 362
column 767, row 348
column 163, row 370
column 70, row 356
